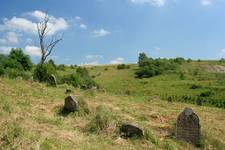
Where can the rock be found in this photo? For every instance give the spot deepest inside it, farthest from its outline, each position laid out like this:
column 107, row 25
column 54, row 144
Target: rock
column 71, row 104
column 130, row 130
column 68, row 91
column 188, row 128
column 199, row 101
column 52, row 80
column 170, row 99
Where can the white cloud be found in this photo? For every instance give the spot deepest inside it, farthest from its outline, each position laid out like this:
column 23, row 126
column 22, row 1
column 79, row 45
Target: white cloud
column 118, row 60
column 5, row 49
column 93, row 56
column 33, row 50
column 206, row 2
column 101, row 33
column 78, row 18
column 83, row 26
column 158, row 3
column 20, row 24
column 10, row 38
column 28, row 26
column 93, row 59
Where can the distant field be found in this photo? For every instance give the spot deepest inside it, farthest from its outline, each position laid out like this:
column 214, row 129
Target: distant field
column 198, row 78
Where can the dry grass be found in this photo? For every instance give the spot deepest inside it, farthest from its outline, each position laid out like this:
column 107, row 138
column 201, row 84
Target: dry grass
column 30, row 120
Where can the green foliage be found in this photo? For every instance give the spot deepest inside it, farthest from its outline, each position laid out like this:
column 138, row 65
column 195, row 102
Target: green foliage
column 151, row 137
column 2, row 71
column 12, row 134
column 101, row 121
column 13, row 73
column 143, row 60
column 179, row 60
column 51, row 62
column 12, row 63
column 155, row 67
column 21, row 58
column 122, row 66
column 61, row 67
column 43, row 71
column 80, row 79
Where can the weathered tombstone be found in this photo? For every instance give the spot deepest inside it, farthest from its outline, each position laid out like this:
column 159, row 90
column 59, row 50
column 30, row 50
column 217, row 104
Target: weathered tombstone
column 52, row 80
column 130, row 130
column 199, row 101
column 71, row 104
column 187, row 127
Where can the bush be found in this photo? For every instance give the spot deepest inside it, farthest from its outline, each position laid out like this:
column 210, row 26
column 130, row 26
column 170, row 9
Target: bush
column 101, row 121
column 12, row 63
column 61, row 67
column 21, row 58
column 14, row 73
column 153, row 67
column 143, row 60
column 1, row 70
column 43, row 71
column 123, row 66
column 179, row 60
column 80, row 79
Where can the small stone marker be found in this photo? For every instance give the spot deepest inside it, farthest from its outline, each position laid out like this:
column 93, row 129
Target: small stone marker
column 170, row 99
column 188, row 128
column 199, row 101
column 68, row 91
column 71, row 104
column 130, row 130
column 52, row 80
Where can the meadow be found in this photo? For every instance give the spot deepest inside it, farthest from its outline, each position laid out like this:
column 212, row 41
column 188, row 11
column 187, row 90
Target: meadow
column 31, row 116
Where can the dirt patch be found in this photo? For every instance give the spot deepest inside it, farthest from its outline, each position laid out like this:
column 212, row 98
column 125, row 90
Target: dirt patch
column 215, row 68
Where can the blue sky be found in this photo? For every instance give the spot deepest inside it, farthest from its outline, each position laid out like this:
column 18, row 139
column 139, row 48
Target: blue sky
column 115, row 31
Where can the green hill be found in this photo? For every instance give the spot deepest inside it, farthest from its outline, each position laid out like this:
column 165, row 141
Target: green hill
column 31, row 115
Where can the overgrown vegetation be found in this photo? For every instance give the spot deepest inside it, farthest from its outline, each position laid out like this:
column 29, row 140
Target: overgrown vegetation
column 149, row 67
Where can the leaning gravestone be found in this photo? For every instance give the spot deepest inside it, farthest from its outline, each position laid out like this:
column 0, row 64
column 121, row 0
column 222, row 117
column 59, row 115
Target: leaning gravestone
column 130, row 130
column 71, row 104
column 188, row 127
column 52, row 80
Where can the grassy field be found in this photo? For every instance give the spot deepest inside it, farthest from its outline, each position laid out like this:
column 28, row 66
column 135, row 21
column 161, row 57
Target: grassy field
column 31, row 115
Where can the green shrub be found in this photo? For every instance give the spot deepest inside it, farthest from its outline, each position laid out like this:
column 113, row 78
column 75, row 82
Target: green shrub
column 1, row 70
column 12, row 63
column 61, row 67
column 122, row 66
column 101, row 121
column 13, row 73
column 154, row 67
column 80, row 79
column 43, row 71
column 21, row 58
column 179, row 60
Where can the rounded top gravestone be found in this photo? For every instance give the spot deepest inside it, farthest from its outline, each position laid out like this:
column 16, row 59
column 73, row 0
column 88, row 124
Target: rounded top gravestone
column 188, row 127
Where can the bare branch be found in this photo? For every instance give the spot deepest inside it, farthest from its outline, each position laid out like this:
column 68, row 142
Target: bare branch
column 42, row 28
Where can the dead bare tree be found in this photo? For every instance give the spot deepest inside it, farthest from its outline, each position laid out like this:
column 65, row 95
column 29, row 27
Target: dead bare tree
column 46, row 49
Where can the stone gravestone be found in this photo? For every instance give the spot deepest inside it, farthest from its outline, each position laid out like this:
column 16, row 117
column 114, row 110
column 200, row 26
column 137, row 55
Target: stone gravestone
column 130, row 130
column 71, row 104
column 199, row 101
column 52, row 80
column 187, row 127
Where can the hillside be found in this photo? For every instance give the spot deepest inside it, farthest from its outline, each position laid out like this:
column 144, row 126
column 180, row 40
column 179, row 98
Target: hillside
column 31, row 116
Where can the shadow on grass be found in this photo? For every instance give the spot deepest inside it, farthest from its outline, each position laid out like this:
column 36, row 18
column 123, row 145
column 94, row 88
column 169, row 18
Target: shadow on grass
column 63, row 112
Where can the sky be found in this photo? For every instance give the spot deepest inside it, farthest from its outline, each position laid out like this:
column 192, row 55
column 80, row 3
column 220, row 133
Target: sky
column 116, row 31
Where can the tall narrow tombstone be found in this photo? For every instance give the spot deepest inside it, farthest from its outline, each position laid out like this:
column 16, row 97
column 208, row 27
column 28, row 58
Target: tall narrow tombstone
column 188, row 128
